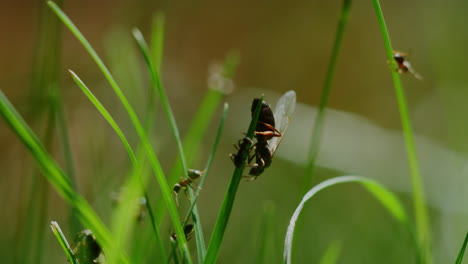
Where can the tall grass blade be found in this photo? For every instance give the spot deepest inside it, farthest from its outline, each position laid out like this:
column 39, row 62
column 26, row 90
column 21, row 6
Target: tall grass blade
column 63, row 242
column 157, row 84
column 326, row 90
column 202, row 250
column 228, row 202
column 166, row 193
column 55, row 175
column 462, row 250
column 384, row 196
column 420, row 210
column 133, row 158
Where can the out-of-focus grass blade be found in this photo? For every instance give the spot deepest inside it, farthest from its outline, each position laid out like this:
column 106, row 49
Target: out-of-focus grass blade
column 386, row 198
column 135, row 161
column 156, row 166
column 63, row 242
column 205, row 112
column 157, row 40
column 54, row 174
column 266, row 239
column 326, row 90
column 157, row 84
column 420, row 209
column 332, row 253
column 228, row 202
column 462, row 250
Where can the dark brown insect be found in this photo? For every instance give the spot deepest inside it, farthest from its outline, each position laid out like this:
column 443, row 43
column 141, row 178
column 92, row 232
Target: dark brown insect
column 184, row 183
column 403, row 65
column 243, row 145
column 188, row 232
column 269, row 131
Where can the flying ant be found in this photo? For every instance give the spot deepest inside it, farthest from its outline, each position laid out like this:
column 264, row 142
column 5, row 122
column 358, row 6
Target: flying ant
column 186, row 182
column 269, row 131
column 188, row 232
column 241, row 147
column 404, row 65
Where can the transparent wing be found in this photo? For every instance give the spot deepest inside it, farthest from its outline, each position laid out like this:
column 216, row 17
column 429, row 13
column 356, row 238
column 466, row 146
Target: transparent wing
column 283, row 111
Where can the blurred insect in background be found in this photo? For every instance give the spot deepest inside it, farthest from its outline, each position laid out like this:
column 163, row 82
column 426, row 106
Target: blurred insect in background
column 241, row 147
column 188, row 232
column 85, row 247
column 269, row 131
column 184, row 183
column 141, row 203
column 404, row 65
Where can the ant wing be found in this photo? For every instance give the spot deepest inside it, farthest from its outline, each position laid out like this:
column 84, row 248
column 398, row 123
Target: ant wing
column 283, row 112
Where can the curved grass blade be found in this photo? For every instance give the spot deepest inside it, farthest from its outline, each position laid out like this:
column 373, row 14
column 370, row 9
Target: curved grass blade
column 134, row 160
column 384, row 196
column 228, row 202
column 462, row 250
column 55, row 175
column 156, row 166
column 420, row 210
column 63, row 242
column 326, row 90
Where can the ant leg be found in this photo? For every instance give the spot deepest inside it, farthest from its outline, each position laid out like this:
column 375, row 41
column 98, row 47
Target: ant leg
column 274, row 132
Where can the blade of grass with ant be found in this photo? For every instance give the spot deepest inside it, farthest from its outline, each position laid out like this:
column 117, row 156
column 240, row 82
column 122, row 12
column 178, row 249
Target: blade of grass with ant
column 326, row 90
column 194, row 199
column 157, row 84
column 135, row 160
column 63, row 242
column 383, row 195
column 228, row 202
column 462, row 251
column 154, row 162
column 55, row 175
column 420, row 209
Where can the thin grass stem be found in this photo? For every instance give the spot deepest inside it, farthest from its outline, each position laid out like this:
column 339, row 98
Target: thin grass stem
column 419, row 206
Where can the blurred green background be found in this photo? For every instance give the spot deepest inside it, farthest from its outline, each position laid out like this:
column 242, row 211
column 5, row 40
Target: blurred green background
column 282, row 46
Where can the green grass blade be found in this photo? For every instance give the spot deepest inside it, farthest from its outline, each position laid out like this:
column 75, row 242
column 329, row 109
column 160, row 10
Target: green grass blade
column 326, row 90
column 202, row 250
column 384, row 196
column 228, row 202
column 63, row 242
column 204, row 115
column 157, row 40
column 133, row 158
column 156, row 81
column 54, row 174
column 266, row 238
column 154, row 162
column 462, row 250
column 332, row 253
column 107, row 116
column 420, row 210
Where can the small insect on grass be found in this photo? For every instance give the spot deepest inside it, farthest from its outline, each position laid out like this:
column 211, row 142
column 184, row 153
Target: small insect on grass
column 86, row 248
column 404, row 65
column 188, row 232
column 185, row 183
column 241, row 147
column 269, row 131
